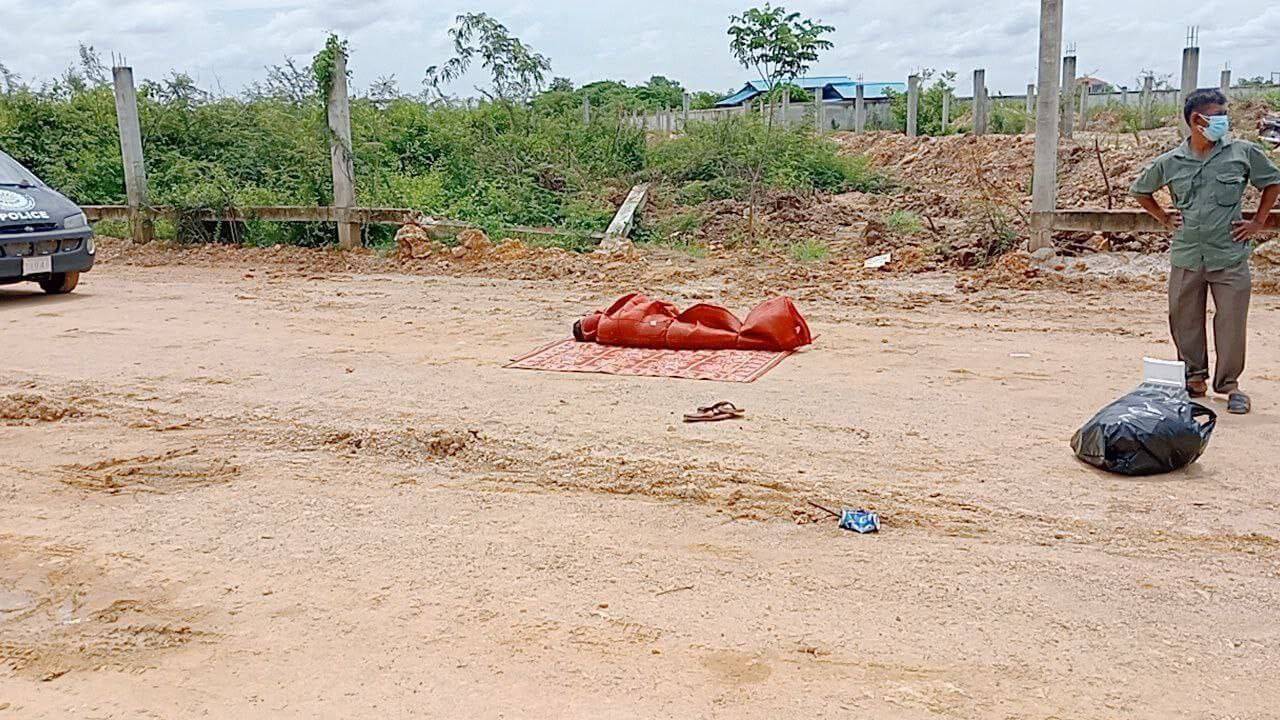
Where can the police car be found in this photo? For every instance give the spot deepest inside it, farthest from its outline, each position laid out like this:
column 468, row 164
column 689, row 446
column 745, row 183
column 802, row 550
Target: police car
column 44, row 237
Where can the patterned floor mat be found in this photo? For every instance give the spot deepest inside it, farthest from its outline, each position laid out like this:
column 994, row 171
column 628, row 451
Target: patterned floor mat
column 720, row 365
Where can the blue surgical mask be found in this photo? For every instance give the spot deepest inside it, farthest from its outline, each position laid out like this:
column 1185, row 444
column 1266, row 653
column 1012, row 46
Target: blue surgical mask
column 1217, row 127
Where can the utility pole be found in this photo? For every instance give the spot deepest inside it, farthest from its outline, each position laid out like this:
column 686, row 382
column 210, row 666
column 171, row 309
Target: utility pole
column 1044, row 192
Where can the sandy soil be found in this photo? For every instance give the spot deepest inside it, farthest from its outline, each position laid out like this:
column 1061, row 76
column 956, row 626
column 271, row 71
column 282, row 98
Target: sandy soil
column 239, row 491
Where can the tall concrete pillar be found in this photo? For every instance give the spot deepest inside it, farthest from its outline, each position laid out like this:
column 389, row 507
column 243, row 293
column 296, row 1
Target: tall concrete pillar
column 1124, row 96
column 586, row 109
column 1190, row 78
column 135, row 169
column 860, row 110
column 1225, row 84
column 1084, row 107
column 913, row 105
column 685, row 103
column 344, row 170
column 1068, row 95
column 1147, row 102
column 819, row 121
column 980, row 110
column 1044, row 190
column 1029, row 125
column 946, row 110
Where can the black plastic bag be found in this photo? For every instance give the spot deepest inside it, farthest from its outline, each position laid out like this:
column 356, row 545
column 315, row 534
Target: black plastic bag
column 1154, row 429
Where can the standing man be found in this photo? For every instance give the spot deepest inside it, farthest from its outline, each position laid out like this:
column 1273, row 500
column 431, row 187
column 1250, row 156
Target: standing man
column 1206, row 176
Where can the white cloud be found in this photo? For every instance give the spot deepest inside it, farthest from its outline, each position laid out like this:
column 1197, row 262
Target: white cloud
column 231, row 40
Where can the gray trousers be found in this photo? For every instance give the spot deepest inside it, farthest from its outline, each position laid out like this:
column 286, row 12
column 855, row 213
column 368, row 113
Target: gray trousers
column 1189, row 292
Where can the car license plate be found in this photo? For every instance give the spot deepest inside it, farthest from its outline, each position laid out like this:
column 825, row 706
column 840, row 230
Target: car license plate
column 37, row 265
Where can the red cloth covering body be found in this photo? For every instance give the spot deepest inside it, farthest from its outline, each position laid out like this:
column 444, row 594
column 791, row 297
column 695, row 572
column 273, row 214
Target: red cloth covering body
column 638, row 321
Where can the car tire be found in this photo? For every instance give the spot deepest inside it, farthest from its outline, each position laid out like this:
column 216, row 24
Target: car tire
column 60, row 283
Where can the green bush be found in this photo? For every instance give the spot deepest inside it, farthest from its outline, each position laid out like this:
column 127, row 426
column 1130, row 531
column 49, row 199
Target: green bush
column 809, row 251
column 493, row 165
column 904, row 222
column 929, row 110
column 722, row 159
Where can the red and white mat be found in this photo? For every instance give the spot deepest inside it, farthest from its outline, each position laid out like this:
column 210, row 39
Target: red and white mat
column 569, row 355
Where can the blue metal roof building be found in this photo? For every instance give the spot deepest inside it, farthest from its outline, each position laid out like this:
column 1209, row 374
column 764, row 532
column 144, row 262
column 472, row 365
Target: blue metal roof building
column 834, row 88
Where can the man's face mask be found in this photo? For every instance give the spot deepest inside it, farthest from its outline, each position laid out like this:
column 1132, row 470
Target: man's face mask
column 1217, row 127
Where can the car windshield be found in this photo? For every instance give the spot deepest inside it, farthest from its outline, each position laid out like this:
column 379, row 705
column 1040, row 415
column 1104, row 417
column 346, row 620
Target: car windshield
column 11, row 173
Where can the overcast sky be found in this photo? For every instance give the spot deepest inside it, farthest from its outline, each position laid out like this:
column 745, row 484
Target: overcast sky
column 226, row 43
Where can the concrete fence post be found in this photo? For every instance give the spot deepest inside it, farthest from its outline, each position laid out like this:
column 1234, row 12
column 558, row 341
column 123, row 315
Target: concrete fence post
column 913, row 105
column 586, row 109
column 1147, row 102
column 135, row 169
column 1044, row 184
column 1067, row 111
column 786, row 105
column 860, row 109
column 980, row 107
column 1190, row 78
column 686, row 102
column 946, row 109
column 1084, row 107
column 818, row 120
column 1225, row 83
column 344, row 172
column 1029, row 125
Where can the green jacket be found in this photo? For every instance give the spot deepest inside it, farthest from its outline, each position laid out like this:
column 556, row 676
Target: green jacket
column 1210, row 193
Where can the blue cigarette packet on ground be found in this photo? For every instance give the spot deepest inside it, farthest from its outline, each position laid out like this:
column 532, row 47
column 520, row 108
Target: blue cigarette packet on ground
column 860, row 521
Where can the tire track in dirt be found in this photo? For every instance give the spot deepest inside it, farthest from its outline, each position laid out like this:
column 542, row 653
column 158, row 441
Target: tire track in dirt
column 62, row 611
column 170, row 471
column 502, row 460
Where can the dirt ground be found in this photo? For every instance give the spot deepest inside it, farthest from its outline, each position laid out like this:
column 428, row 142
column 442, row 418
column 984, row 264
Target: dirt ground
column 240, row 488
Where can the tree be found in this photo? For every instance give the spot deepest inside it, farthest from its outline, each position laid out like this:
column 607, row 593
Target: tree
column 560, row 84
column 9, row 81
column 781, row 47
column 778, row 45
column 178, row 89
column 929, row 113
column 660, row 93
column 287, row 82
column 92, row 67
column 516, row 70
column 384, row 90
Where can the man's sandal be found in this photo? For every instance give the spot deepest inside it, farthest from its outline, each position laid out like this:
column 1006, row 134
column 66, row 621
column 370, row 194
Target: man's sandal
column 1239, row 404
column 720, row 411
column 1197, row 388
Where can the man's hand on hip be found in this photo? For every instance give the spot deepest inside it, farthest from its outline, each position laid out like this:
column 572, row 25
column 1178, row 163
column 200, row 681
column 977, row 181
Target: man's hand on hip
column 1243, row 230
column 1172, row 220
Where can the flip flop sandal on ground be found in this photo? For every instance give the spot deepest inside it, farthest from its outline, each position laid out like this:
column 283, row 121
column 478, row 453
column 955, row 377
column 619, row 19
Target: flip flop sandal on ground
column 1239, row 404
column 712, row 413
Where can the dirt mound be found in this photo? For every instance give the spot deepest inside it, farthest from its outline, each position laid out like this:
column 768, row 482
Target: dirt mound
column 409, row 444
column 26, row 407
